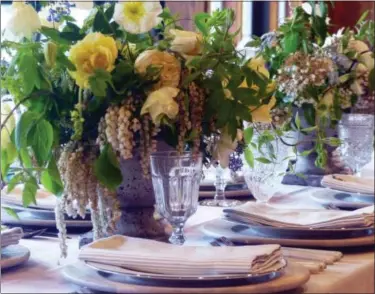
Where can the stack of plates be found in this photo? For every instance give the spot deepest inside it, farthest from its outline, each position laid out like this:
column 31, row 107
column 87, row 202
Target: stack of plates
column 12, row 253
column 40, row 215
column 259, row 269
column 346, row 192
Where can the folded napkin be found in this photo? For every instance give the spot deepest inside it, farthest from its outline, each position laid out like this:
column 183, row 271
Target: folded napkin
column 162, row 258
column 264, row 214
column 10, row 236
column 349, row 183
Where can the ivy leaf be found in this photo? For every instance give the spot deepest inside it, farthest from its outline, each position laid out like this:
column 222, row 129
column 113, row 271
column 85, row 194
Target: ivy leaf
column 23, row 128
column 42, row 140
column 99, row 82
column 249, row 157
column 11, row 212
column 29, row 192
column 263, row 160
column 51, row 179
column 17, row 178
column 248, row 135
column 106, row 169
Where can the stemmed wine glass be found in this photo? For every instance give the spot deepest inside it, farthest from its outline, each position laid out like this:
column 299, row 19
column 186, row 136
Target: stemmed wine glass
column 176, row 178
column 356, row 132
column 220, row 184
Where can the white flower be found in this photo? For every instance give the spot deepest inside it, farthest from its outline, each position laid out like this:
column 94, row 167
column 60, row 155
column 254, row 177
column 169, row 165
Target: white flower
column 23, row 22
column 83, row 4
column 308, row 9
column 225, row 147
column 137, row 17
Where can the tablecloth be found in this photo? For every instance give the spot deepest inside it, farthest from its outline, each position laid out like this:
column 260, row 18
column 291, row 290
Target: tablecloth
column 353, row 274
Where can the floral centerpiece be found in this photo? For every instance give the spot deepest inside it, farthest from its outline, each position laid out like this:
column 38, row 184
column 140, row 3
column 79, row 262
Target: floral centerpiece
column 318, row 76
column 129, row 78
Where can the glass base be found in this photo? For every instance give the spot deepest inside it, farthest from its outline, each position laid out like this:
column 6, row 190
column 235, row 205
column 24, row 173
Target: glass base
column 220, row 203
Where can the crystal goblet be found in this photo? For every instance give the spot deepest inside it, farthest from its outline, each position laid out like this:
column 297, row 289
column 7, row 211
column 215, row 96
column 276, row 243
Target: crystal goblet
column 176, row 180
column 356, row 132
column 265, row 176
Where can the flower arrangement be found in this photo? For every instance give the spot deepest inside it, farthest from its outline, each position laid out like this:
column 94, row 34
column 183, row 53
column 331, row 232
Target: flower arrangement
column 129, row 78
column 319, row 74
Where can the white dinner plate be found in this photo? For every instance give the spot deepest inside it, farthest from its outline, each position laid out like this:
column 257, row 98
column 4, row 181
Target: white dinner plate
column 219, row 227
column 349, row 183
column 342, row 199
column 79, row 274
column 13, row 255
column 28, row 219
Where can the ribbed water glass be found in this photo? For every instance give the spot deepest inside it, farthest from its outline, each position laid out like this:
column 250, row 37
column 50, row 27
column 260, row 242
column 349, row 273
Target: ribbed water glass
column 356, row 132
column 176, row 179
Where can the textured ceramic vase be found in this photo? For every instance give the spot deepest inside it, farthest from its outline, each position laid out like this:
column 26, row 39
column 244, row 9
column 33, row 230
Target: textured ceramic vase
column 306, row 164
column 137, row 199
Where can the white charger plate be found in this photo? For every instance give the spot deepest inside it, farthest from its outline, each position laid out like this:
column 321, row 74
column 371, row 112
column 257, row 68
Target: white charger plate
column 342, row 199
column 79, row 274
column 223, row 228
column 13, row 255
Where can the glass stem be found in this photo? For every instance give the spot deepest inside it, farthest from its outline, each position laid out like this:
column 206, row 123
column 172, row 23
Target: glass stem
column 177, row 236
column 220, row 184
column 357, row 171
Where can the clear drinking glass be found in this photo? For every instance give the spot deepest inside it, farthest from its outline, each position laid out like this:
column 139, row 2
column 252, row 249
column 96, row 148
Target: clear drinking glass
column 176, row 180
column 219, row 198
column 356, row 132
column 264, row 178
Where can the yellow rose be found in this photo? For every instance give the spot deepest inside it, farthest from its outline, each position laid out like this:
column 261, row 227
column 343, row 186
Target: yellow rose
column 186, row 42
column 170, row 67
column 263, row 113
column 161, row 102
column 258, row 64
column 95, row 51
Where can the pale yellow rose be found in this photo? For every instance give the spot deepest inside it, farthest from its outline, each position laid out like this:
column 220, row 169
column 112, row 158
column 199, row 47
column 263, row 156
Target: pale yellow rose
column 161, row 103
column 364, row 53
column 263, row 113
column 23, row 21
column 186, row 42
column 9, row 125
column 95, row 51
column 137, row 17
column 170, row 67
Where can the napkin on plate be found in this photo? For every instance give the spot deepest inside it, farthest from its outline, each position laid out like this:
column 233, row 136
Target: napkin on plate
column 349, row 183
column 162, row 258
column 10, row 236
column 264, row 214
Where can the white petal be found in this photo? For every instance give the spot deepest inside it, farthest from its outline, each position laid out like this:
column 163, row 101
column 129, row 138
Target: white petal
column 307, row 8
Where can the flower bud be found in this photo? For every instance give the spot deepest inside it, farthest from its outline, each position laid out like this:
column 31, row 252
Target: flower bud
column 50, row 52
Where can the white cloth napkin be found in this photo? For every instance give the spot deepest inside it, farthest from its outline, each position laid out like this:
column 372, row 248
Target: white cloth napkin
column 10, row 236
column 264, row 214
column 349, row 183
column 162, row 258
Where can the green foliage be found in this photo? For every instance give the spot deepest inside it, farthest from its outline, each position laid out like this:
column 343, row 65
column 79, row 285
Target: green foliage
column 11, row 212
column 42, row 139
column 50, row 178
column 107, row 169
column 29, row 191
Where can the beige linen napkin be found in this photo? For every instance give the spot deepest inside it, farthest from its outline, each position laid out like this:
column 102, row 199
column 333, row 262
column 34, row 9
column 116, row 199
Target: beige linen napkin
column 264, row 214
column 349, row 183
column 10, row 236
column 162, row 258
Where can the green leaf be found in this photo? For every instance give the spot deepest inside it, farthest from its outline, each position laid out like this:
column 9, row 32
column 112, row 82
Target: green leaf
column 101, row 24
column 29, row 73
column 249, row 157
column 65, row 62
column 99, row 82
column 42, row 140
column 23, row 128
column 51, row 179
column 54, row 35
column 248, row 135
column 11, row 212
column 371, row 80
column 263, row 160
column 297, row 121
column 109, row 12
column 4, row 163
column 363, row 17
column 29, row 192
column 246, row 96
column 291, row 42
column 106, row 170
column 14, row 181
column 200, row 20
column 307, row 152
column 332, row 141
column 25, row 157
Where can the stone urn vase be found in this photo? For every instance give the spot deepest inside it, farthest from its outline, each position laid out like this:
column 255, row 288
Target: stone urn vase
column 306, row 164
